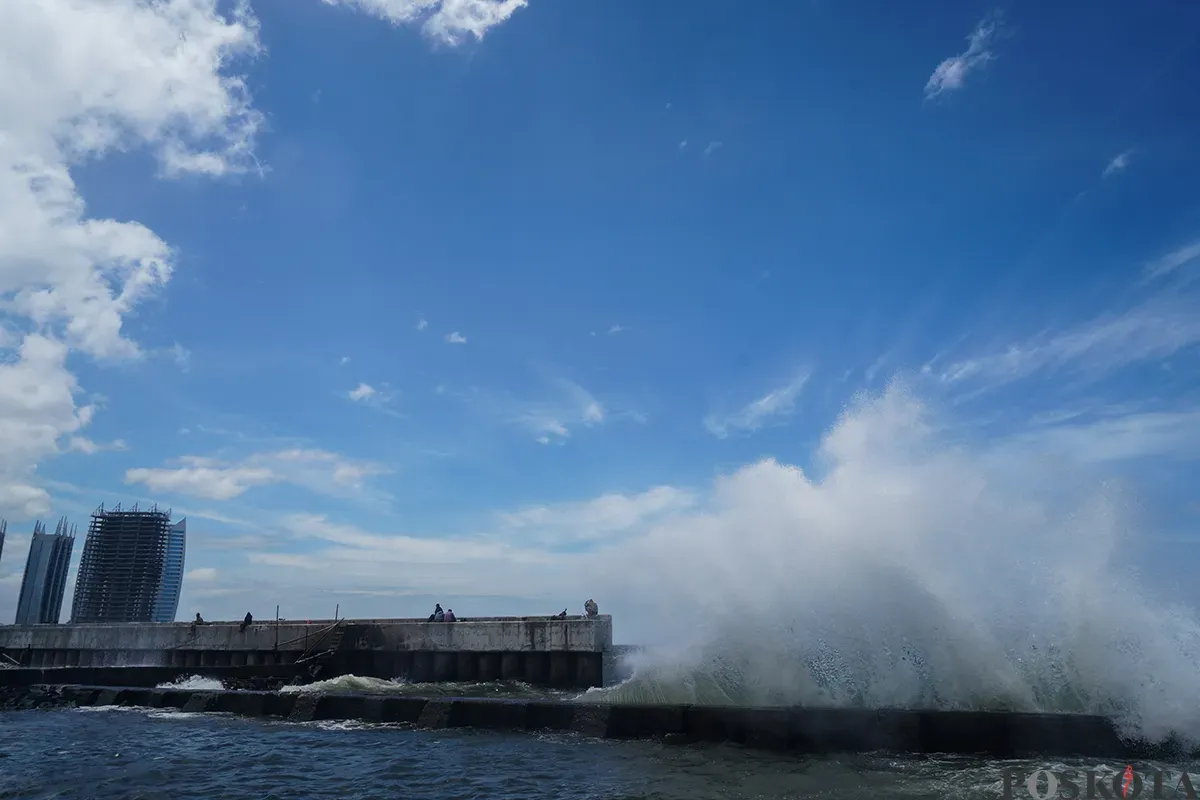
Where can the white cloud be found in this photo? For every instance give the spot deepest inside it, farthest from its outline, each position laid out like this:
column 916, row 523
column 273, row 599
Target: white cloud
column 213, row 479
column 617, row 329
column 1155, row 329
column 84, row 78
column 779, row 402
column 1172, row 261
column 344, row 361
column 210, row 481
column 553, row 420
column 712, row 148
column 1118, row 164
column 600, row 518
column 205, row 574
column 422, row 324
column 362, row 392
column 444, row 20
column 456, row 338
column 952, row 73
column 1117, row 437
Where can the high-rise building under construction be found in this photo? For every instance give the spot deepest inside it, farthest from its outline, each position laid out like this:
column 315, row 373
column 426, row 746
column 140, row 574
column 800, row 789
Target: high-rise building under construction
column 124, row 564
column 45, row 579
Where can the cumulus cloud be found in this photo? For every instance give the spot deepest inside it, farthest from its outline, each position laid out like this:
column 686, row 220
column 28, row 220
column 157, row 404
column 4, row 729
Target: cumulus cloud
column 456, row 338
column 362, row 392
column 951, row 75
column 84, row 78
column 448, row 21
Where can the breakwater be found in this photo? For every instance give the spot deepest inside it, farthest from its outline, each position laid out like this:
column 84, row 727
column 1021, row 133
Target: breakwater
column 806, row 730
column 565, row 652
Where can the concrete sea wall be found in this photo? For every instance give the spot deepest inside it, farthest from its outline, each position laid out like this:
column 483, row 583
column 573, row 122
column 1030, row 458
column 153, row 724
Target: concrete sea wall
column 539, row 650
column 1000, row 735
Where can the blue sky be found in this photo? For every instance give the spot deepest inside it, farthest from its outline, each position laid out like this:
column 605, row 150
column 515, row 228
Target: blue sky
column 399, row 300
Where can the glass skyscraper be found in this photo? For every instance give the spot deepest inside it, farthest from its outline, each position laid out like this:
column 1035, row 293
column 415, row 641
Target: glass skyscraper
column 172, row 580
column 40, row 601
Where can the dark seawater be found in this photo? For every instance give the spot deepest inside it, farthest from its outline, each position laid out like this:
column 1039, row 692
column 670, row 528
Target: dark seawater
column 145, row 753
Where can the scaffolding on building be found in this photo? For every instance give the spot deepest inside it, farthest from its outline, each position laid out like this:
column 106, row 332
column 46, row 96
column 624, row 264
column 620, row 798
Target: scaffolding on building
column 121, row 570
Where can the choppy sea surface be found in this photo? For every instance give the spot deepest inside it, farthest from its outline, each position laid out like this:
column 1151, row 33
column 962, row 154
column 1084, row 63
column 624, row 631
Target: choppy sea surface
column 151, row 753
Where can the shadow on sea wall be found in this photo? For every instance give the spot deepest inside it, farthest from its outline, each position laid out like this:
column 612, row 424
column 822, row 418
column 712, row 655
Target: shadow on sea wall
column 807, row 730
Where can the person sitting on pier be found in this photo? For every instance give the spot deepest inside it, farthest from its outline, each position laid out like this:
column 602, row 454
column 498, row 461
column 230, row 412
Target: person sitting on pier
column 560, row 615
column 590, row 608
column 450, row 615
column 438, row 615
column 246, row 622
column 199, row 620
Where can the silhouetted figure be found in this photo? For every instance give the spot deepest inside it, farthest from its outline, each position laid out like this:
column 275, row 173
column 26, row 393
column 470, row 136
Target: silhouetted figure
column 199, row 620
column 590, row 608
column 438, row 615
column 450, row 615
column 561, row 615
column 246, row 622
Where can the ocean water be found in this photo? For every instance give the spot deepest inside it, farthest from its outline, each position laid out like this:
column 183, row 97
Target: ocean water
column 150, row 753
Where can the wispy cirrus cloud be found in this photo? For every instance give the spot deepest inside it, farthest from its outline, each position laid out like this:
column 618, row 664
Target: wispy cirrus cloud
column 951, row 75
column 1173, row 261
column 553, row 420
column 1155, row 329
column 1119, row 164
column 779, row 402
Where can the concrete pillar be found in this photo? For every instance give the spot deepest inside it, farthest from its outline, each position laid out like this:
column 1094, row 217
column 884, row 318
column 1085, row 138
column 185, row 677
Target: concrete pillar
column 510, row 666
column 422, row 666
column 535, row 668
column 467, row 667
column 443, row 666
column 239, row 658
column 589, row 670
column 560, row 669
column 489, row 667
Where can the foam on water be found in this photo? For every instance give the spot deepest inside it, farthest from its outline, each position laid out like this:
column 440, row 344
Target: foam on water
column 913, row 573
column 195, row 683
column 350, row 684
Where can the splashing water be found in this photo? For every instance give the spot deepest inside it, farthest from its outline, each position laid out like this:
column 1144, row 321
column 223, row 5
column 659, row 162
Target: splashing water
column 913, row 573
column 195, row 683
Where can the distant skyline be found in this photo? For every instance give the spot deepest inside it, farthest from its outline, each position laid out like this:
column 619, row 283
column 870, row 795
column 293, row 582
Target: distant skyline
column 509, row 304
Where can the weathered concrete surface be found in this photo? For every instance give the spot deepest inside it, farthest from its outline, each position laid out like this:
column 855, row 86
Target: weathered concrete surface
column 539, row 650
column 1000, row 735
column 493, row 634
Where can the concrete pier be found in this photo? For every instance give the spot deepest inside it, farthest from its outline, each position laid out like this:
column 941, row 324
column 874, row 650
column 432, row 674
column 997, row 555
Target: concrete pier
column 568, row 652
column 803, row 730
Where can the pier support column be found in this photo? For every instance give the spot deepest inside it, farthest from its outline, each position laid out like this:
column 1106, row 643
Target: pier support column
column 589, row 670
column 489, row 666
column 560, row 669
column 535, row 668
column 510, row 666
column 443, row 666
column 467, row 667
column 422, row 666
